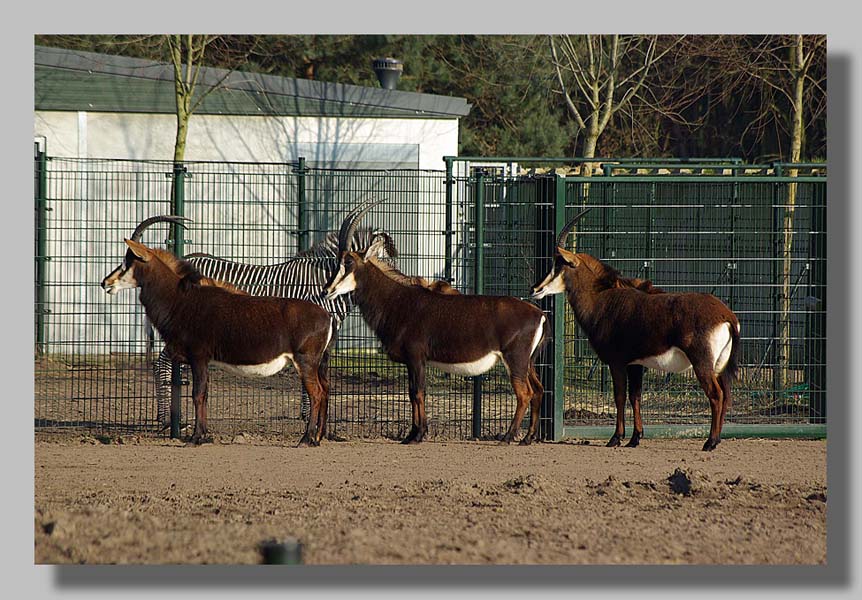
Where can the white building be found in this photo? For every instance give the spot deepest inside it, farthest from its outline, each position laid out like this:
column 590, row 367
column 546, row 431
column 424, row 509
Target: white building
column 94, row 106
column 101, row 106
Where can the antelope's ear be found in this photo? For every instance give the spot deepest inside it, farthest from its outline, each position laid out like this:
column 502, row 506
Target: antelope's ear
column 139, row 250
column 570, row 257
column 375, row 249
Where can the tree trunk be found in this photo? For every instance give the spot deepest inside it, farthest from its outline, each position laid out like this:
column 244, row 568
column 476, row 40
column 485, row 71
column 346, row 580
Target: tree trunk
column 796, row 133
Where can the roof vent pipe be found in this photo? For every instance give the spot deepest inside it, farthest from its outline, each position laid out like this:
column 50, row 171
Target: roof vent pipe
column 388, row 72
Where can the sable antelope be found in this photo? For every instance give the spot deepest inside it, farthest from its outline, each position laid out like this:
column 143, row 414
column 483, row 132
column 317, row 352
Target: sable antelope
column 302, row 276
column 248, row 335
column 459, row 334
column 632, row 325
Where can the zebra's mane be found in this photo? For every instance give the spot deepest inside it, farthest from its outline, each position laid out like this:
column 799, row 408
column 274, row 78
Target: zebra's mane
column 362, row 238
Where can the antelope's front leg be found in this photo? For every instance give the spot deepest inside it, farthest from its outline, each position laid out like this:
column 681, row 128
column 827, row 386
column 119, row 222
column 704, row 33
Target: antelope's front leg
column 618, row 375
column 636, row 378
column 200, row 383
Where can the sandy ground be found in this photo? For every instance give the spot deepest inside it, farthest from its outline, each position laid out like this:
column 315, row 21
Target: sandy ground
column 142, row 500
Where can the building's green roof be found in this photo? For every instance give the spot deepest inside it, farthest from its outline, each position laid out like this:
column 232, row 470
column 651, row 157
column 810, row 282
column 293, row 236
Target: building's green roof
column 77, row 80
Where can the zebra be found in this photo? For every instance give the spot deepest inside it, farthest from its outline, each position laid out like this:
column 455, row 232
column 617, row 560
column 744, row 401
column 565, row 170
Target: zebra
column 302, row 276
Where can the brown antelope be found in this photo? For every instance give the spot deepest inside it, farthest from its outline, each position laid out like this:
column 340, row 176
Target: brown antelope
column 459, row 334
column 247, row 335
column 632, row 325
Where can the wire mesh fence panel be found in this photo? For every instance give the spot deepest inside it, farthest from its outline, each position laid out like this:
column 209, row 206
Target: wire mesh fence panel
column 91, row 367
column 756, row 242
column 745, row 242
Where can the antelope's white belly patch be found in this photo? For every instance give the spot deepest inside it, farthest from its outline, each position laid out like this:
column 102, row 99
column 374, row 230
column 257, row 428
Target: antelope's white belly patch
column 262, row 370
column 673, row 360
column 475, row 367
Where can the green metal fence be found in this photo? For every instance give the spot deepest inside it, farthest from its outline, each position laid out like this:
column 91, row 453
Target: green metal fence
column 740, row 232
column 722, row 229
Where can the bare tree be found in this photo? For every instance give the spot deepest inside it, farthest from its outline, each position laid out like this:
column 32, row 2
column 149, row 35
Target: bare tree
column 189, row 53
column 599, row 76
column 798, row 65
column 787, row 74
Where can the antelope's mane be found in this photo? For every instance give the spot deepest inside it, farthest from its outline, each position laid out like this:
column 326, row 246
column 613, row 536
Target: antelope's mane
column 189, row 274
column 608, row 277
column 392, row 272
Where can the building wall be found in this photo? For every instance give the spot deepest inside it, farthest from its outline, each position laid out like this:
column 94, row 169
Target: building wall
column 93, row 206
column 349, row 142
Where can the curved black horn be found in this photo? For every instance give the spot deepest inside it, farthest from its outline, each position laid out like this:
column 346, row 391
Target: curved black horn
column 352, row 229
column 343, row 240
column 348, row 226
column 561, row 239
column 139, row 230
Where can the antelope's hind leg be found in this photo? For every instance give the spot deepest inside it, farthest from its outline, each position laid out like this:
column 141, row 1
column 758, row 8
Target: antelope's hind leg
column 524, row 394
column 713, row 390
column 309, row 373
column 200, row 384
column 419, row 427
column 538, row 392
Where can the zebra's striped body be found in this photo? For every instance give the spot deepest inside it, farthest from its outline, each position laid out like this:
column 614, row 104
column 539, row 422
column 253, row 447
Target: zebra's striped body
column 302, row 276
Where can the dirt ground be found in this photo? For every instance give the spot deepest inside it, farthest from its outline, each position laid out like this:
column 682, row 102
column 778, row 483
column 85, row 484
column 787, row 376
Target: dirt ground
column 143, row 500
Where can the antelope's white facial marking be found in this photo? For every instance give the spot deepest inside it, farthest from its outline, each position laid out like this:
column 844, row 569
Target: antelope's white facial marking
column 121, row 278
column 475, row 367
column 674, row 360
column 343, row 283
column 552, row 284
column 262, row 370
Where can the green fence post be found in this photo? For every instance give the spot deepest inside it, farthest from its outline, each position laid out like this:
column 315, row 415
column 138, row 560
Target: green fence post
column 447, row 248
column 301, row 207
column 178, row 242
column 41, row 245
column 817, row 307
column 560, row 300
column 479, row 288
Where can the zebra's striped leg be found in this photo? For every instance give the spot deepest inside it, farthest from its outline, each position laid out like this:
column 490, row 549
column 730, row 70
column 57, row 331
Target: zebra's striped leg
column 162, row 374
column 304, row 405
column 323, row 376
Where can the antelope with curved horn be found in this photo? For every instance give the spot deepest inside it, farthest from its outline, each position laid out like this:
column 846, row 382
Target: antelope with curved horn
column 111, row 283
column 459, row 334
column 302, row 276
column 632, row 325
column 248, row 335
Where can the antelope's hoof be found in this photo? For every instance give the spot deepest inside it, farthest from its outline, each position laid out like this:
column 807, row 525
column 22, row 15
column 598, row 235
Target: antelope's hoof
column 634, row 442
column 307, row 442
column 613, row 442
column 526, row 441
column 710, row 445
